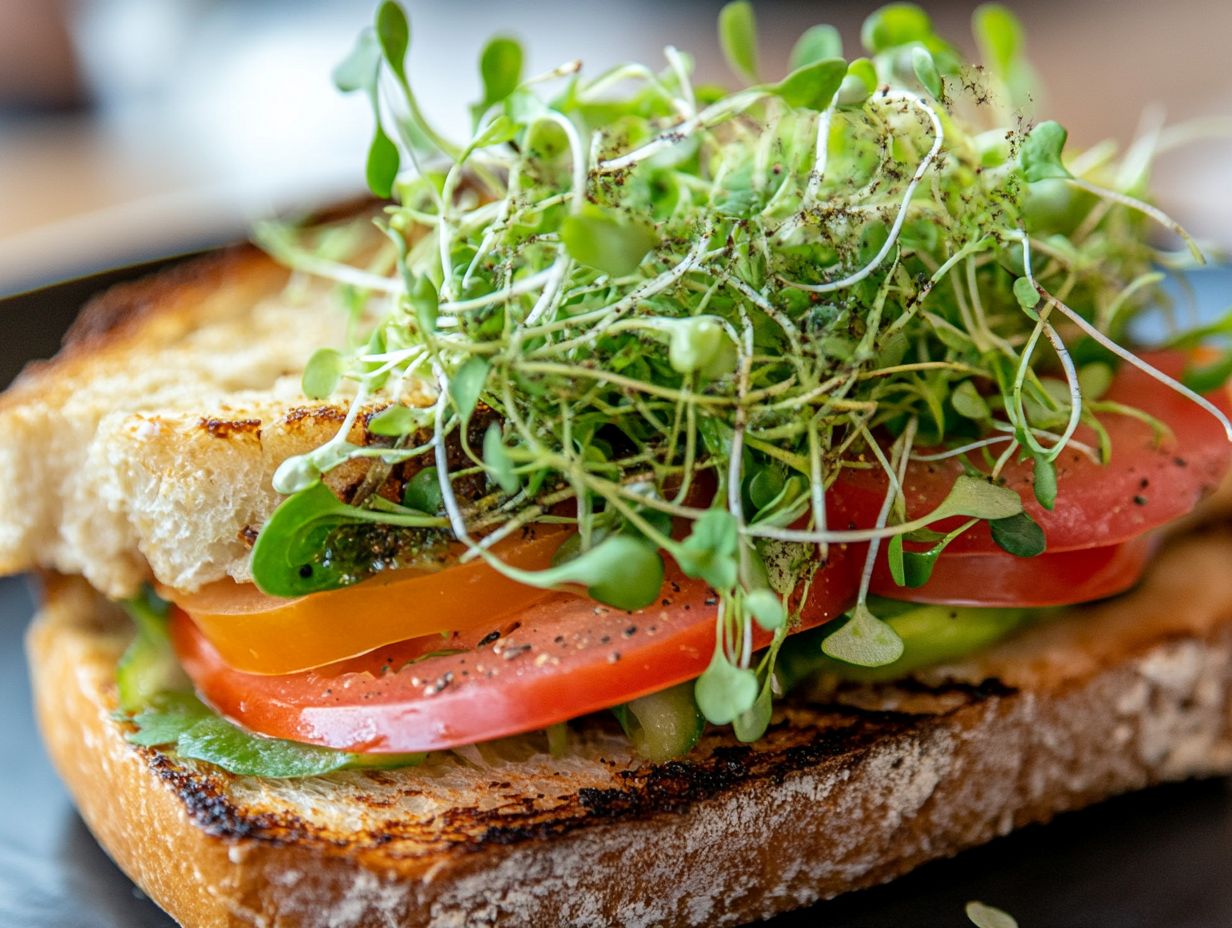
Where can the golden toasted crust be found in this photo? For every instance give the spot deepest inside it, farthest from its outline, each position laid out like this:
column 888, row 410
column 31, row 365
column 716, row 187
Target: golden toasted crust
column 839, row 796
column 153, row 311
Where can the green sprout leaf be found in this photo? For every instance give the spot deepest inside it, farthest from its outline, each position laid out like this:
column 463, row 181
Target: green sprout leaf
column 466, row 386
column 968, row 402
column 394, row 32
column 859, row 84
column 926, row 72
column 986, row 916
column 738, row 39
column 913, row 569
column 817, row 44
column 358, row 71
column 286, row 558
column 1019, row 534
column 620, row 571
column 894, row 25
column 423, row 492
column 322, row 373
column 766, row 608
column 395, row 421
column 1045, row 482
column 700, row 344
column 999, row 36
column 1040, row 155
column 599, row 240
column 709, row 552
column 864, row 640
column 496, row 458
column 284, row 555
column 500, row 67
column 425, row 303
column 1026, row 293
column 500, row 130
column 724, row 692
column 812, row 86
column 1095, row 378
column 750, row 725
column 977, row 499
column 383, row 164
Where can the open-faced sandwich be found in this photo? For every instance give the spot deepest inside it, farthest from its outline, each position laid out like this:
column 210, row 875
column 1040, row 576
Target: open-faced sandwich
column 669, row 506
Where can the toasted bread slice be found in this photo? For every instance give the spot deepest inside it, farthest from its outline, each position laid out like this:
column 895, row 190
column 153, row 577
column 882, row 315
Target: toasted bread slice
column 839, row 795
column 146, row 448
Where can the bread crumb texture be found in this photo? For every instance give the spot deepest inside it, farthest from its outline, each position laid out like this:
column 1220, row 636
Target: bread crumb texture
column 146, row 448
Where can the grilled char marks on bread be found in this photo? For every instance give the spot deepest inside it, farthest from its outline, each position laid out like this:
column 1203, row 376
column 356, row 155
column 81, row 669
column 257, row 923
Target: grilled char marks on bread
column 840, row 794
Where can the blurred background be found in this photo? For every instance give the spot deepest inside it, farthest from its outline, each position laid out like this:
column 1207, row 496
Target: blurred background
column 131, row 129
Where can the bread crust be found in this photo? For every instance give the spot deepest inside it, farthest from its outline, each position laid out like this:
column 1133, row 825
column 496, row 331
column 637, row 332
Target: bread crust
column 837, row 797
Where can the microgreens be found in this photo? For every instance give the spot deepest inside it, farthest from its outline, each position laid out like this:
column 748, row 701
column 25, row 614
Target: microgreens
column 681, row 303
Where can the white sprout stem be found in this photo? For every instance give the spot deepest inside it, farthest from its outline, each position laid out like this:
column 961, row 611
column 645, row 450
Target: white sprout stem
column 444, row 234
column 1152, row 372
column 550, row 297
column 962, row 449
column 561, row 70
column 609, row 315
column 525, row 285
column 1142, row 280
column 339, row 272
column 578, row 193
column 735, row 474
column 1071, row 379
column 1067, row 364
column 681, row 70
column 497, row 225
column 758, row 300
column 457, row 522
column 746, row 654
column 893, row 490
column 1146, row 209
column 1076, row 445
column 712, row 115
column 821, row 157
column 817, row 486
column 892, row 238
column 1075, row 391
column 1004, row 459
column 635, row 71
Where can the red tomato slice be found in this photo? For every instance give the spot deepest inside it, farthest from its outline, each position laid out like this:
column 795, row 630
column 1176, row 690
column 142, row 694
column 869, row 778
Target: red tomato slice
column 564, row 657
column 1146, row 484
column 1000, row 579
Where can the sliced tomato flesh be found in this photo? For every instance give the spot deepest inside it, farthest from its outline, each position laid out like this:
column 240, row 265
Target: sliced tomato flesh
column 259, row 633
column 1148, row 482
column 562, row 657
column 1001, row 579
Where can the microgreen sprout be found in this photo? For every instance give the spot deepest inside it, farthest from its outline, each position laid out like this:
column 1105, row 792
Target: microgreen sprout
column 670, row 317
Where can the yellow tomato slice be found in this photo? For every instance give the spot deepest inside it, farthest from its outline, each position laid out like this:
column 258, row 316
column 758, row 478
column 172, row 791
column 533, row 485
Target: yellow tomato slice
column 264, row 634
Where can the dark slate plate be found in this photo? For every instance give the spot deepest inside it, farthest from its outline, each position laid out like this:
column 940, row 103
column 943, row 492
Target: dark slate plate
column 1158, row 858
